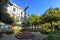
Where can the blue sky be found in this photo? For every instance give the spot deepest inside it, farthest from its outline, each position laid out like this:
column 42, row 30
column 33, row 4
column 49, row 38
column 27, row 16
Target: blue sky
column 37, row 6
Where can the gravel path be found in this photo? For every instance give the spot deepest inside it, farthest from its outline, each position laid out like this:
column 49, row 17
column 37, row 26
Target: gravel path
column 38, row 36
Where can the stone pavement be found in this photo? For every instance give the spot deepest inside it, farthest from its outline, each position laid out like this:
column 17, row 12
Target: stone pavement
column 38, row 36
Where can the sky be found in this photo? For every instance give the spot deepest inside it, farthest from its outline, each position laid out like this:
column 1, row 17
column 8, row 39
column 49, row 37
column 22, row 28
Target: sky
column 37, row 6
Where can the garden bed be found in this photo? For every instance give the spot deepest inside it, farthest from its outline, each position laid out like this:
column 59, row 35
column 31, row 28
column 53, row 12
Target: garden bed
column 24, row 35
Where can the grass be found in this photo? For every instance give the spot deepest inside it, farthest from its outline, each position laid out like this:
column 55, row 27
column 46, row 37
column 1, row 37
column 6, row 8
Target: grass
column 53, row 36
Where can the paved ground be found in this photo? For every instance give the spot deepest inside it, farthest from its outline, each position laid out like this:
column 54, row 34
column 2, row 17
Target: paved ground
column 38, row 36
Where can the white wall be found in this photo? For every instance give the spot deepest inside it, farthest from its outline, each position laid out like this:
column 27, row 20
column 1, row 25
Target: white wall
column 17, row 13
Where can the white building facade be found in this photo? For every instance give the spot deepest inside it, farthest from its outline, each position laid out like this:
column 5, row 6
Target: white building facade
column 16, row 12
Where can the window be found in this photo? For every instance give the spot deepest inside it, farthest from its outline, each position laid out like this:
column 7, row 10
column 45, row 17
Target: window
column 21, row 19
column 21, row 13
column 13, row 9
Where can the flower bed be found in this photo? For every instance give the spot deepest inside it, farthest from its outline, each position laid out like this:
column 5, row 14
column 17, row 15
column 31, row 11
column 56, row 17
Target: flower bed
column 24, row 35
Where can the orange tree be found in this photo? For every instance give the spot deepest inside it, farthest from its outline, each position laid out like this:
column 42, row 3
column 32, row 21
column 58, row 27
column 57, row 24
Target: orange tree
column 51, row 15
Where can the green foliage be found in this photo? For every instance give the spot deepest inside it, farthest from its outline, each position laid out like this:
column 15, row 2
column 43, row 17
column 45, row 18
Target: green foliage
column 17, row 29
column 34, row 19
column 49, row 38
column 8, row 31
column 3, row 5
column 53, row 36
column 1, row 32
column 15, row 24
column 4, row 16
column 45, row 31
column 46, row 24
column 51, row 15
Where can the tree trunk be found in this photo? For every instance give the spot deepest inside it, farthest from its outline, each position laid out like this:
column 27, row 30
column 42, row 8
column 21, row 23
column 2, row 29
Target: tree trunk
column 52, row 26
column 34, row 26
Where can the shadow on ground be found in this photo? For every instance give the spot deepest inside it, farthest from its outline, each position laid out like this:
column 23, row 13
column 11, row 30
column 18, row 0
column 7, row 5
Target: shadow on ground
column 38, row 36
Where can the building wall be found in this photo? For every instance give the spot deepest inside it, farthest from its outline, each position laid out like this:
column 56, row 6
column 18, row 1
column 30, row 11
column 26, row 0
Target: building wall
column 16, row 12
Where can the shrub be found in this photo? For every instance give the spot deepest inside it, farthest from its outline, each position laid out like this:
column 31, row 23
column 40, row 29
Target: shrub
column 17, row 29
column 1, row 31
column 46, row 31
column 8, row 31
column 53, row 36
